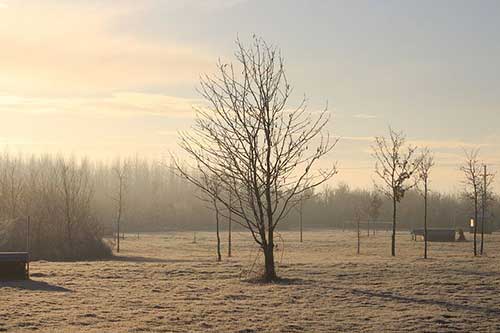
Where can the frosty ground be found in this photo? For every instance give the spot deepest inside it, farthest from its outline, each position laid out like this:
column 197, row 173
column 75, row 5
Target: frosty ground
column 167, row 283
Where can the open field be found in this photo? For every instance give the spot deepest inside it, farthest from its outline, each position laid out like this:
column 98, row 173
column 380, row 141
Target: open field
column 166, row 283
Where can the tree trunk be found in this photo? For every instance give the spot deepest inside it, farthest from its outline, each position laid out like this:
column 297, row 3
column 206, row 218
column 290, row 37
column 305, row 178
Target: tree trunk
column 482, row 232
column 119, row 217
column 425, row 221
column 219, row 256
column 229, row 240
column 483, row 209
column 229, row 236
column 359, row 236
column 269, row 267
column 394, row 215
column 118, row 236
column 475, row 224
column 70, row 239
column 118, row 220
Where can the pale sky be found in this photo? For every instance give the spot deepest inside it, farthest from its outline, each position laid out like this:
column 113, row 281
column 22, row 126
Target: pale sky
column 108, row 78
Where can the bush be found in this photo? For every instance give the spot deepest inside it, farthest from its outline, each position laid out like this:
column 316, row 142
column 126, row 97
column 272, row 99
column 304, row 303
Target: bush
column 87, row 243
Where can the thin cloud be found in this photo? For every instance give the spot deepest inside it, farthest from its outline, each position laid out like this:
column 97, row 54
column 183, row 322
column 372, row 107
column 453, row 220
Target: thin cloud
column 13, row 141
column 167, row 133
column 216, row 4
column 433, row 144
column 447, row 144
column 126, row 104
column 365, row 116
column 357, row 138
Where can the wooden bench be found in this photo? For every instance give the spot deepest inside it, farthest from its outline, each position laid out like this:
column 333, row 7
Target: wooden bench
column 435, row 235
column 14, row 266
column 416, row 232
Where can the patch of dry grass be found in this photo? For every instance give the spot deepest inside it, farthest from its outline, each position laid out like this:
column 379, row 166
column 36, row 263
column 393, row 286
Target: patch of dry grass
column 165, row 283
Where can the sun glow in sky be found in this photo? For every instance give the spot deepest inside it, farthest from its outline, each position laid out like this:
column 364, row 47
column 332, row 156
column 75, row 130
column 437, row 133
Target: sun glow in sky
column 108, row 78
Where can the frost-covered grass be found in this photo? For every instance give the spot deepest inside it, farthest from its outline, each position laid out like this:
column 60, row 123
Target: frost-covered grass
column 165, row 283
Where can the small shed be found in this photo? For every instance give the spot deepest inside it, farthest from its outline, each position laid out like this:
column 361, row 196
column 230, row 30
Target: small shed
column 435, row 235
column 14, row 265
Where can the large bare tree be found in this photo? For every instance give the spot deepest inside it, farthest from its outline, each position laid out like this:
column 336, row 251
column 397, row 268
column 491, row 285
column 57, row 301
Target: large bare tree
column 396, row 163
column 259, row 149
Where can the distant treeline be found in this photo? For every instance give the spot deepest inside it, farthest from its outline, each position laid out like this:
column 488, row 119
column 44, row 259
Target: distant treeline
column 337, row 207
column 73, row 204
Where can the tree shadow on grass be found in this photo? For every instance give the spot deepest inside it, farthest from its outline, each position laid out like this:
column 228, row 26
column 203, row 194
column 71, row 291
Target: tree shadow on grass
column 446, row 304
column 279, row 281
column 139, row 259
column 458, row 272
column 32, row 285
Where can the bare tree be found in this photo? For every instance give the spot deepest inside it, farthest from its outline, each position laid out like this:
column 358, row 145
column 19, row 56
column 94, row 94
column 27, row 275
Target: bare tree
column 423, row 174
column 219, row 256
column 486, row 197
column 120, row 169
column 257, row 148
column 472, row 184
column 215, row 187
column 395, row 165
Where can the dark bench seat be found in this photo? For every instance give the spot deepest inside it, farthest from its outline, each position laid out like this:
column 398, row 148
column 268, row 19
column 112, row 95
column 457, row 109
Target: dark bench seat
column 435, row 235
column 14, row 265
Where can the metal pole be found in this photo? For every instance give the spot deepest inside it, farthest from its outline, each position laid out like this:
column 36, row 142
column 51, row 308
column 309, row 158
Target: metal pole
column 28, row 247
column 358, row 231
column 483, row 207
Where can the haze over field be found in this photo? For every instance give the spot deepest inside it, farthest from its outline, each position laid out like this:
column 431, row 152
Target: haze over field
column 101, row 78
